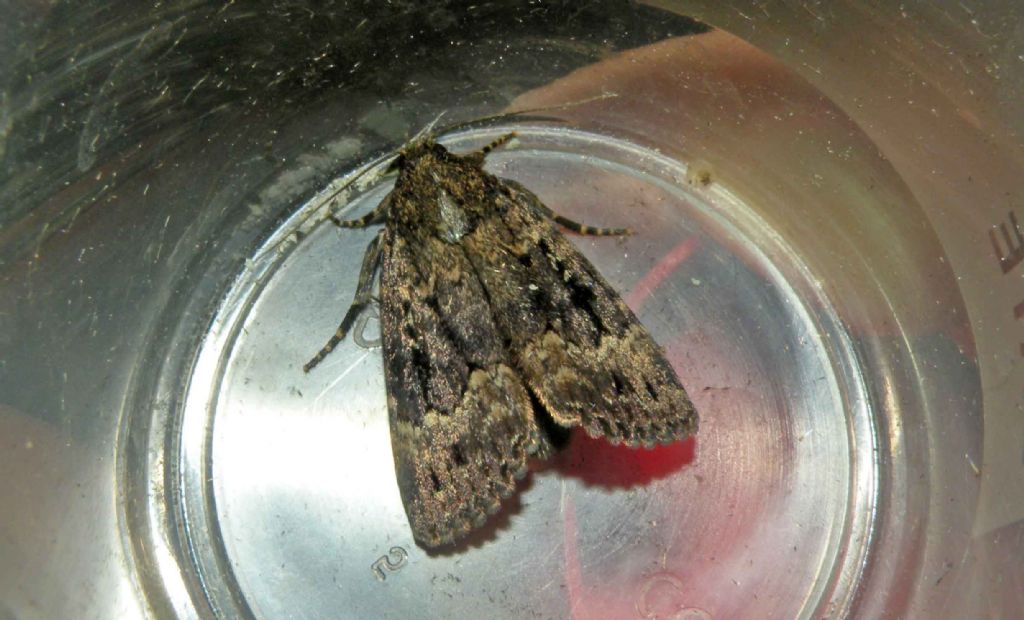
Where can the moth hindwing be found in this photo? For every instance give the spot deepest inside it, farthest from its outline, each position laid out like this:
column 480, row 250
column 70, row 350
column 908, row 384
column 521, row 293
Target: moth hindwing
column 495, row 331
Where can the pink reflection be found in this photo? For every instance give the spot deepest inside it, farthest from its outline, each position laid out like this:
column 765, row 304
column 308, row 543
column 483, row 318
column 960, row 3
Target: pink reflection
column 668, row 263
column 598, row 462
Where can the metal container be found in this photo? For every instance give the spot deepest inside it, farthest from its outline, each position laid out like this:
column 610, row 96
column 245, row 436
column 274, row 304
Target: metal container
column 826, row 199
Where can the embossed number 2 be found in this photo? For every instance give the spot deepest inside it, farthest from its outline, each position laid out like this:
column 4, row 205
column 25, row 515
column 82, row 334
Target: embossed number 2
column 396, row 558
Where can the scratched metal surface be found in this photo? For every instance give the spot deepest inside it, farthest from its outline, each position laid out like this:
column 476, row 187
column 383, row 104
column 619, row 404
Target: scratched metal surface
column 827, row 246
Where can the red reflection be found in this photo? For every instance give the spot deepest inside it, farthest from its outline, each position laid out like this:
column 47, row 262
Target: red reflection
column 598, row 462
column 668, row 263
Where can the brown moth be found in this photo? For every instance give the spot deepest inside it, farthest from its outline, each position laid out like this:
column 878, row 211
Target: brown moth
column 496, row 333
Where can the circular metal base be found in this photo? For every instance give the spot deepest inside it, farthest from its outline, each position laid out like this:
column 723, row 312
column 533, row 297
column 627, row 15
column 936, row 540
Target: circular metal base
column 288, row 492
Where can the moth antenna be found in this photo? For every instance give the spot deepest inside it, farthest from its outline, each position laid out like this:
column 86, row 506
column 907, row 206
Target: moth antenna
column 426, row 130
column 366, row 169
column 527, row 114
column 562, row 106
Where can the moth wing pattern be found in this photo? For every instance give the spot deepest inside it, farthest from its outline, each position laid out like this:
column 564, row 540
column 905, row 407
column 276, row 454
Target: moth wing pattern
column 577, row 346
column 462, row 423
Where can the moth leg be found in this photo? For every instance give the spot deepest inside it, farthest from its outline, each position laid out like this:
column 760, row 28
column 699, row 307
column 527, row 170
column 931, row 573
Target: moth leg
column 584, row 229
column 527, row 196
column 370, row 218
column 479, row 156
column 364, row 293
column 377, row 215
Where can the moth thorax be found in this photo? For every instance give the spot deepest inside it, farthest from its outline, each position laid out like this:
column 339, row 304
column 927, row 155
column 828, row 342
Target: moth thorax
column 451, row 221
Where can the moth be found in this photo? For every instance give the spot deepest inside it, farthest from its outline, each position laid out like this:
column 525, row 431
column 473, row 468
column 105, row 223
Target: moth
column 496, row 334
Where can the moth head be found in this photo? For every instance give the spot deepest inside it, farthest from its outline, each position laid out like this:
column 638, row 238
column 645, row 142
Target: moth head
column 397, row 163
column 419, row 157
